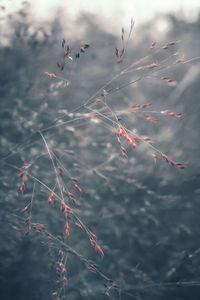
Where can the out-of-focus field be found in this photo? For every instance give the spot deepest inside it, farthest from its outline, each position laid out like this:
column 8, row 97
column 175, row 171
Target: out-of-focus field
column 145, row 214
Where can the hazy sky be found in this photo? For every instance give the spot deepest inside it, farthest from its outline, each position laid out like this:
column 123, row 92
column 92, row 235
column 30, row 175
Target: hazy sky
column 140, row 10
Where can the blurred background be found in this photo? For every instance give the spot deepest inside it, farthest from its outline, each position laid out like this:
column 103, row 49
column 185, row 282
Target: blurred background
column 145, row 213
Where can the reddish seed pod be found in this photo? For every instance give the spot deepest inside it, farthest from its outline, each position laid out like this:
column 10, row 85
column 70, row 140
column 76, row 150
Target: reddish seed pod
column 27, row 221
column 21, row 174
column 54, row 294
column 24, row 209
column 66, row 230
column 59, row 65
column 66, row 227
column 26, row 166
column 15, row 228
column 100, row 251
column 51, row 75
column 74, row 179
column 120, row 131
column 124, row 155
column 152, row 66
column 93, row 235
column 62, row 206
column 182, row 167
column 65, row 281
column 69, row 216
column 169, row 44
column 78, row 226
column 78, row 188
column 141, row 68
column 173, row 164
column 41, row 226
column 180, row 115
column 27, row 232
column 91, row 262
column 106, row 278
column 67, row 209
column 67, row 235
column 179, row 60
column 165, row 158
column 93, row 243
column 92, row 270
column 153, row 120
column 129, row 140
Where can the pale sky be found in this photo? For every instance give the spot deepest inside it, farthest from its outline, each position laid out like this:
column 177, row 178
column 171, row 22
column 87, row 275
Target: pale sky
column 112, row 13
column 140, row 10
